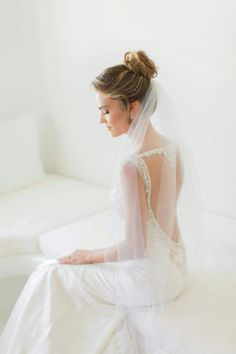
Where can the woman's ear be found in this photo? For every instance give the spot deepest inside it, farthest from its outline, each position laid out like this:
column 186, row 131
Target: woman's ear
column 133, row 107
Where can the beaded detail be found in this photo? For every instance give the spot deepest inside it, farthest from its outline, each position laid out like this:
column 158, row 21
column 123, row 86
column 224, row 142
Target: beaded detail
column 177, row 253
column 142, row 167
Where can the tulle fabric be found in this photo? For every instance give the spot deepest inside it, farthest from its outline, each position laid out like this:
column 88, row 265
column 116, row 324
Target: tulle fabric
column 157, row 221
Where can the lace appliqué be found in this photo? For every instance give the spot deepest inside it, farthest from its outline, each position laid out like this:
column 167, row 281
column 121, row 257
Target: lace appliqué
column 177, row 253
column 145, row 175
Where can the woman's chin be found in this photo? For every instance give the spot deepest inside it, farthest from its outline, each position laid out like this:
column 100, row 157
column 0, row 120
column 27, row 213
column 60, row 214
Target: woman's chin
column 114, row 133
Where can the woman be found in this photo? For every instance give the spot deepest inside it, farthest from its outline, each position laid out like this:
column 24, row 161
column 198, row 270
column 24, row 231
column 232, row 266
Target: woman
column 112, row 300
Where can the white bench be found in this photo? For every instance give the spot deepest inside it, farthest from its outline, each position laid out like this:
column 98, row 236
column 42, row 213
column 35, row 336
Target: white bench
column 46, row 220
column 35, row 207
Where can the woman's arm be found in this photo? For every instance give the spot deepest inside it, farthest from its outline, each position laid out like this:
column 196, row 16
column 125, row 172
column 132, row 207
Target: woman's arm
column 99, row 255
column 90, row 256
column 135, row 236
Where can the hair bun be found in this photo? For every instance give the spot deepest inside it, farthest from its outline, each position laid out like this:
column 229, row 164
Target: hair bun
column 141, row 64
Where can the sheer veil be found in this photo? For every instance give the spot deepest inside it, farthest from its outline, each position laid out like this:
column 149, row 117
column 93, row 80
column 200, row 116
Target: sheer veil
column 157, row 225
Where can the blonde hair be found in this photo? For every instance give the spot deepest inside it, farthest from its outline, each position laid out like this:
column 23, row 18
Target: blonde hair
column 129, row 81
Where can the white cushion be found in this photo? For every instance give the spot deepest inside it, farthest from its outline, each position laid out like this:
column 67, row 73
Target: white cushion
column 21, row 163
column 90, row 232
column 53, row 201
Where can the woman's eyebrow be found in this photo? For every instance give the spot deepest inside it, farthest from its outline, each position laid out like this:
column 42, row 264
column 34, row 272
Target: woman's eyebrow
column 102, row 107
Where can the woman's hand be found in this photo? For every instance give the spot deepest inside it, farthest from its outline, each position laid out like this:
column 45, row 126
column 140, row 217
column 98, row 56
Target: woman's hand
column 77, row 257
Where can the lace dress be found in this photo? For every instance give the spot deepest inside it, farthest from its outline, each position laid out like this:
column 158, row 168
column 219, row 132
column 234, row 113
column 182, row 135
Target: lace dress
column 178, row 255
column 62, row 307
column 179, row 267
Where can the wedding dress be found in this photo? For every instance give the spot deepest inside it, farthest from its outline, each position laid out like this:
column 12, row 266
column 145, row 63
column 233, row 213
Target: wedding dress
column 69, row 309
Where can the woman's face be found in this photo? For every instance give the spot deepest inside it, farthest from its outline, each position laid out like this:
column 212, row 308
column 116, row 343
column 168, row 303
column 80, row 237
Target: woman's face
column 117, row 121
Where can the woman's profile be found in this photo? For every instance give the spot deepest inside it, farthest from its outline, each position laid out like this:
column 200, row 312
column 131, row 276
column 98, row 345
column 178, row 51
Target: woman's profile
column 112, row 300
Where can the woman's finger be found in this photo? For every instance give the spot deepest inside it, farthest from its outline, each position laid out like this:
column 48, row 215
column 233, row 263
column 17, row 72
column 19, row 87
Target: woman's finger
column 64, row 259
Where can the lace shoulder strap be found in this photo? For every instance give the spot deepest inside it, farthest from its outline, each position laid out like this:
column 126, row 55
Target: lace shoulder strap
column 143, row 171
column 169, row 151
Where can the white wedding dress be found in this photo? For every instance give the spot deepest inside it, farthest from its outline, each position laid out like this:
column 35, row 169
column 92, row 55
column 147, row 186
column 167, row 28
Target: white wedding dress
column 68, row 309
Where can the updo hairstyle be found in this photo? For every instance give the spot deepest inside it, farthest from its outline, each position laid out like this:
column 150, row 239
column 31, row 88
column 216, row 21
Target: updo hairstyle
column 129, row 81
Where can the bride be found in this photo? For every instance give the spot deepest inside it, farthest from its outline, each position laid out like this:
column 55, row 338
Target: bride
column 113, row 300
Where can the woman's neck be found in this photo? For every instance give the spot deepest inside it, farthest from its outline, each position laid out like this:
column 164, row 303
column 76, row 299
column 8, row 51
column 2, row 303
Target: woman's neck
column 152, row 139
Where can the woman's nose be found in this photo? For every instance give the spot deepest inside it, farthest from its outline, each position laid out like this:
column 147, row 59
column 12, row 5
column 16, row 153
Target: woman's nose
column 102, row 120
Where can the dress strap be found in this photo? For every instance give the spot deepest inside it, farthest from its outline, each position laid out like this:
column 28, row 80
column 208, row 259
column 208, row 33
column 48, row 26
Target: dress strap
column 146, row 177
column 138, row 160
column 168, row 150
column 143, row 171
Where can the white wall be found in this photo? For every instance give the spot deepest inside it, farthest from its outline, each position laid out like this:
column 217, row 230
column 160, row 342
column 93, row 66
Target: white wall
column 21, row 78
column 193, row 44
